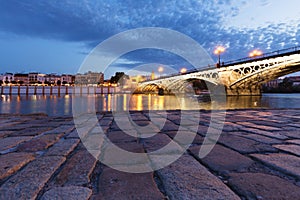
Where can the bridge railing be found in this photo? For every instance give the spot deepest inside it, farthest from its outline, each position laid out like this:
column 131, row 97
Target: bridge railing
column 265, row 55
column 208, row 67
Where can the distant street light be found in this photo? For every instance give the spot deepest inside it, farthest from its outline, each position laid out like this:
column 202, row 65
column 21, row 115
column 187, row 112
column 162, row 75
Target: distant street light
column 160, row 70
column 255, row 53
column 183, row 70
column 218, row 52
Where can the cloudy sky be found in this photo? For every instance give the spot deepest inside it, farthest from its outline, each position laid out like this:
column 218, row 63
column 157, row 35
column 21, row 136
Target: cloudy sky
column 56, row 36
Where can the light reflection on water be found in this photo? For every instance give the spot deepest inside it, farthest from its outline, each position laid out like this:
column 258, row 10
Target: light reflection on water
column 55, row 105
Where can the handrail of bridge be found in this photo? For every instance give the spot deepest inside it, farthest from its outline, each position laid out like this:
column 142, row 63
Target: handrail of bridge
column 225, row 64
column 269, row 54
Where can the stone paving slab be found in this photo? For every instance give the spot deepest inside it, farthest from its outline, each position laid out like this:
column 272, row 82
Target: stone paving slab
column 294, row 141
column 170, row 126
column 160, row 141
column 273, row 134
column 262, row 127
column 244, row 145
column 12, row 162
column 68, row 192
column 188, row 179
column 263, row 186
column 294, row 149
column 63, row 147
column 5, row 133
column 28, row 182
column 9, row 142
column 293, row 134
column 114, row 184
column 39, row 143
column 77, row 170
column 181, row 139
column 270, row 123
column 113, row 156
column 224, row 160
column 31, row 131
column 287, row 163
column 262, row 139
column 61, row 129
column 121, row 137
column 73, row 134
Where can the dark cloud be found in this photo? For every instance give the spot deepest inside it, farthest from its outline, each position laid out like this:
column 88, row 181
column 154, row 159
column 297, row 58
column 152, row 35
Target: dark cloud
column 91, row 22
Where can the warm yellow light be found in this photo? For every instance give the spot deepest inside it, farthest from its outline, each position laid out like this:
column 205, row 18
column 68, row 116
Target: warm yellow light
column 255, row 53
column 219, row 50
column 183, row 70
column 160, row 69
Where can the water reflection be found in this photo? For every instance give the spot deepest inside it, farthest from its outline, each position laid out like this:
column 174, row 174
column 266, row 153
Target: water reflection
column 238, row 102
column 55, row 105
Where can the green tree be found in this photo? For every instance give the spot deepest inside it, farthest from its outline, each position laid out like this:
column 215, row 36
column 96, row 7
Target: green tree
column 119, row 77
column 47, row 83
column 13, row 82
column 286, row 85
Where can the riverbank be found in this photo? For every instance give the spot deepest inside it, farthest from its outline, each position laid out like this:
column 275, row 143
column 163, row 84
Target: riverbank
column 256, row 157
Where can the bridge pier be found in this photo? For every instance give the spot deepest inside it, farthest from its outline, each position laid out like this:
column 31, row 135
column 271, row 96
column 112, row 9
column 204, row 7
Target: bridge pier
column 246, row 91
column 161, row 91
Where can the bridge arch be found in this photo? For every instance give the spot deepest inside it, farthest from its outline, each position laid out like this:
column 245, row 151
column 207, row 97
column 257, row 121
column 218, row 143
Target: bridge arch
column 150, row 88
column 266, row 73
column 181, row 85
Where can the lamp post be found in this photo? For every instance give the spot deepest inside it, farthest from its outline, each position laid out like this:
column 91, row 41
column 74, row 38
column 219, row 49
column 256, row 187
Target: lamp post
column 218, row 52
column 183, row 70
column 160, row 70
column 255, row 53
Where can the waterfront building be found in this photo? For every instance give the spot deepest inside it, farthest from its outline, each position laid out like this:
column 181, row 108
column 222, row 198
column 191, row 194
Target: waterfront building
column 41, row 78
column 94, row 78
column 133, row 81
column 80, row 79
column 21, row 79
column 52, row 79
column 33, row 77
column 66, row 79
column 89, row 78
column 295, row 80
column 273, row 83
column 7, row 78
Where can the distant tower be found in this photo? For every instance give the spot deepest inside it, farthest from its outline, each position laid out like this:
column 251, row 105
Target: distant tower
column 152, row 75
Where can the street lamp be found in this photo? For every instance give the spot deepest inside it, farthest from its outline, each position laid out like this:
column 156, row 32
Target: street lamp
column 218, row 52
column 255, row 53
column 183, row 70
column 160, row 70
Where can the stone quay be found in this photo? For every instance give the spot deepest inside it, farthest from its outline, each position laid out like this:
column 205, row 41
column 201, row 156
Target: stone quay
column 257, row 156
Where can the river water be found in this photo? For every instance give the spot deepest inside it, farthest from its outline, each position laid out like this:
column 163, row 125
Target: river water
column 62, row 105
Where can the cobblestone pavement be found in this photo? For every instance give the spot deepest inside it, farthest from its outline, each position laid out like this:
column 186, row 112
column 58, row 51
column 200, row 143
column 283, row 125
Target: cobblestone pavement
column 256, row 157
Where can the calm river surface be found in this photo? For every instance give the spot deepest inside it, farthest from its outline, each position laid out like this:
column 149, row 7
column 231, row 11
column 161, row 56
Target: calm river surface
column 55, row 105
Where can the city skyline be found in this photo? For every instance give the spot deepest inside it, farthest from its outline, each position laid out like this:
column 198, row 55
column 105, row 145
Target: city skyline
column 56, row 37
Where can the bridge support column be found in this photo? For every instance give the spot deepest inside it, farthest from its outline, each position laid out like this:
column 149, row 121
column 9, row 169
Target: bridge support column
column 161, row 91
column 245, row 91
